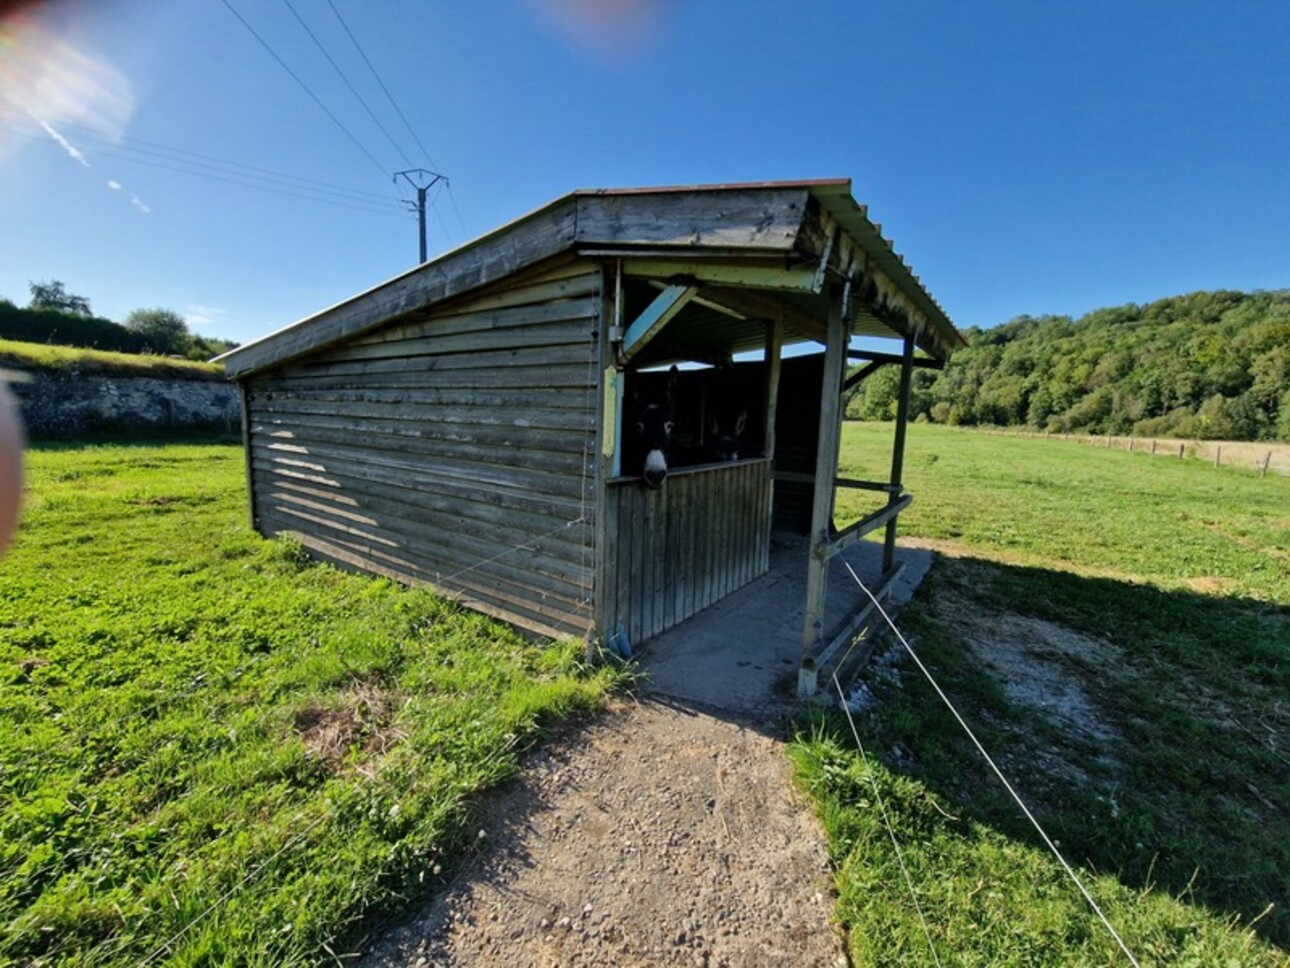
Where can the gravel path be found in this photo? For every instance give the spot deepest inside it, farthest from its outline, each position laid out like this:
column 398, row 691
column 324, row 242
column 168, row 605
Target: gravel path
column 655, row 836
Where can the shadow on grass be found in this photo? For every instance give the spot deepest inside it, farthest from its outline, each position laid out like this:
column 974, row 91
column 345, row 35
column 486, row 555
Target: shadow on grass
column 1146, row 728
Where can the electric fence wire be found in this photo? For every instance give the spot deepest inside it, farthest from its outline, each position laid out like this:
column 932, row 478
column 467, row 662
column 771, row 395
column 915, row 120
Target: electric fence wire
column 1070, row 871
column 305, row 87
column 345, row 78
column 886, row 819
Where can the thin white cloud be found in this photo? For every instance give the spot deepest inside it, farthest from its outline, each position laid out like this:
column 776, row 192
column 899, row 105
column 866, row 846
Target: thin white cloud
column 114, row 184
column 70, row 148
column 198, row 315
column 134, row 200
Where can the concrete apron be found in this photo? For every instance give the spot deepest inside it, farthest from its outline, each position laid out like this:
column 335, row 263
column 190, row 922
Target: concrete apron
column 741, row 654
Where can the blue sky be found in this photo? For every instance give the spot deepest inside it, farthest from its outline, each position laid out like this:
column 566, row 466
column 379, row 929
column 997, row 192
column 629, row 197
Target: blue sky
column 1026, row 157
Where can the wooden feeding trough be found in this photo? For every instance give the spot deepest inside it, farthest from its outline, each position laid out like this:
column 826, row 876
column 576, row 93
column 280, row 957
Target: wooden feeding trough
column 475, row 423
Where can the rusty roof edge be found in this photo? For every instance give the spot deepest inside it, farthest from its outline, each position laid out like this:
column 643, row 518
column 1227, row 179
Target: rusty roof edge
column 836, row 198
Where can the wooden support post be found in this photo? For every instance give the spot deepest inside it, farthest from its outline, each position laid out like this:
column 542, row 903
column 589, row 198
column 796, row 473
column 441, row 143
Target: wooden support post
column 898, row 451
column 774, row 345
column 774, row 348
column 604, row 572
column 1218, row 455
column 1263, row 468
column 246, row 452
column 1181, row 449
column 826, row 469
column 1153, row 447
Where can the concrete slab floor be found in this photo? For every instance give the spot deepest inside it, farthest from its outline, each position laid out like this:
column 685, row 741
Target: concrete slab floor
column 741, row 654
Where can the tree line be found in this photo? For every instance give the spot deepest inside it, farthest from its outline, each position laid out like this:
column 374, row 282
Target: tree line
column 1209, row 365
column 59, row 317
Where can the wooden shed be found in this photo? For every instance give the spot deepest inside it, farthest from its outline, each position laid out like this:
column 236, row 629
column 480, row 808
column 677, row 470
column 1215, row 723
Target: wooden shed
column 464, row 424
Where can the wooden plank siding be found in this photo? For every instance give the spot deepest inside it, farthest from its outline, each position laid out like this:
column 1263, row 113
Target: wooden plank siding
column 452, row 449
column 683, row 546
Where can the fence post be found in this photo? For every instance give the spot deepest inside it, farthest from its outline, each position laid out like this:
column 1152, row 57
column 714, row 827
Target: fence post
column 1130, row 445
column 1263, row 471
column 1218, row 453
column 1153, row 447
column 1181, row 448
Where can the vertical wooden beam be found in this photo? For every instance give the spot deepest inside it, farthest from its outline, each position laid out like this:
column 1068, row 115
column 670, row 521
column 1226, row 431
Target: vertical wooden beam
column 604, row 561
column 774, row 348
column 826, row 468
column 246, row 450
column 774, row 345
column 898, row 450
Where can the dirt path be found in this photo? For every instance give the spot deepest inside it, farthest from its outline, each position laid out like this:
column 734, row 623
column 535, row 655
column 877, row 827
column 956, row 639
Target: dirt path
column 656, row 836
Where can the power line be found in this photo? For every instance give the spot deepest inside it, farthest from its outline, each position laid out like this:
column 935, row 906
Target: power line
column 129, row 151
column 388, row 95
column 358, row 207
column 352, row 90
column 95, row 134
column 305, row 87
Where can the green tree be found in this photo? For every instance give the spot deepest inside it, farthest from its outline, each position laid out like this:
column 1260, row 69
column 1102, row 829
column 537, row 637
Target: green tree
column 164, row 330
column 54, row 295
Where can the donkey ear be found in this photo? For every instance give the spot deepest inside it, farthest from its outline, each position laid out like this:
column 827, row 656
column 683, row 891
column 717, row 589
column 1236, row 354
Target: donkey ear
column 741, row 422
column 673, row 378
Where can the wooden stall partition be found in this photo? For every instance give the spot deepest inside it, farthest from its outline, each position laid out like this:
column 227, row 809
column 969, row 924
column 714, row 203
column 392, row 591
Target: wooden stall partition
column 681, row 547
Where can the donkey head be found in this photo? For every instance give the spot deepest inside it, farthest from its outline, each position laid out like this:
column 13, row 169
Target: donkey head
column 725, row 437
column 654, row 425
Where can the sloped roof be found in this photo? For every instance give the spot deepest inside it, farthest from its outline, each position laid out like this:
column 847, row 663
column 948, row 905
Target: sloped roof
column 802, row 227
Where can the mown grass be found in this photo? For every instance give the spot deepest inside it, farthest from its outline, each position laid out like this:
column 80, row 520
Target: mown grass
column 1169, row 582
column 18, row 355
column 213, row 751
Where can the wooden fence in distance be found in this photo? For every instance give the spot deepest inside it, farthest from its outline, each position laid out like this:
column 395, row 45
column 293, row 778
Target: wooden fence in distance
column 1262, row 457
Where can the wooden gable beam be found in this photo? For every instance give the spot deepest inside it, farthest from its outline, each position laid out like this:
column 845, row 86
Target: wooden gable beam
column 657, row 314
column 780, row 277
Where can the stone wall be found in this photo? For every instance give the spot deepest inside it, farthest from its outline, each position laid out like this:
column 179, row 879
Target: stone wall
column 69, row 403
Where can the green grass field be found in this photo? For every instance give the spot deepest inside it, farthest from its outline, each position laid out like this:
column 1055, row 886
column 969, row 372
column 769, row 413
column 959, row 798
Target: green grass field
column 215, row 752
column 72, row 360
column 1135, row 613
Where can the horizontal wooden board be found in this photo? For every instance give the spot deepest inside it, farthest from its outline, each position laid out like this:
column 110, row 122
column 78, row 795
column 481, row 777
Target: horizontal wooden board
column 415, row 484
column 428, row 372
column 322, row 455
column 529, row 446
column 564, row 536
column 451, row 567
column 577, row 333
column 570, row 404
column 509, row 556
column 504, row 323
column 752, row 218
column 282, row 410
column 471, row 596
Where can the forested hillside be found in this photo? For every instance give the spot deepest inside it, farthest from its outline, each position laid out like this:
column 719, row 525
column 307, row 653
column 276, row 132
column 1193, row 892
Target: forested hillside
column 1210, row 365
